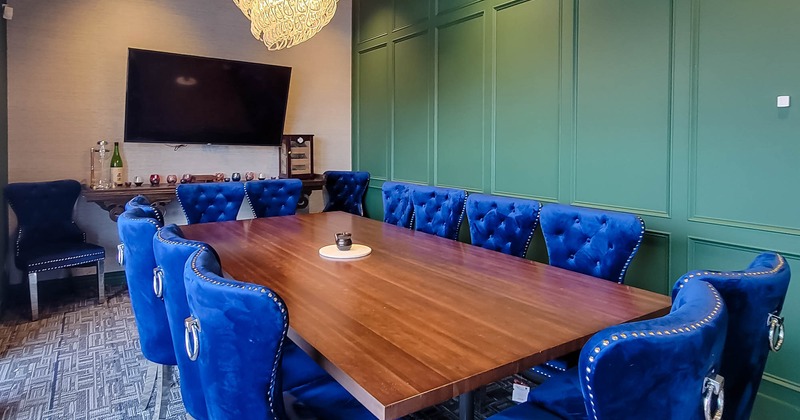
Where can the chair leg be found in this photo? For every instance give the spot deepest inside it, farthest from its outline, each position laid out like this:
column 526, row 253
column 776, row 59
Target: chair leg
column 150, row 379
column 32, row 283
column 162, row 391
column 101, row 282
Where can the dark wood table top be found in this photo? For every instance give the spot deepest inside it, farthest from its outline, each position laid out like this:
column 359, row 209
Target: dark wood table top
column 422, row 319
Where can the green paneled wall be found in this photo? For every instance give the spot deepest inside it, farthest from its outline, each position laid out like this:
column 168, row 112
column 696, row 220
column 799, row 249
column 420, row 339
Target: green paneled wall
column 662, row 108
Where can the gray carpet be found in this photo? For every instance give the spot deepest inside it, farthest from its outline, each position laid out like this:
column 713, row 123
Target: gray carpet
column 82, row 360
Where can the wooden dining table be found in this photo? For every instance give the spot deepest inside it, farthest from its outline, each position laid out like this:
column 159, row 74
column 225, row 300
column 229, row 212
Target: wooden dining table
column 422, row 319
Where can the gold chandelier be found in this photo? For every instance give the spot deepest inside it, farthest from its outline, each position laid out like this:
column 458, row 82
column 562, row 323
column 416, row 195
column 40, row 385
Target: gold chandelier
column 282, row 24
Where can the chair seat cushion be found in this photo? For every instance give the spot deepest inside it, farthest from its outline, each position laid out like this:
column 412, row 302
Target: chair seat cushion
column 524, row 411
column 298, row 368
column 326, row 399
column 53, row 256
column 561, row 394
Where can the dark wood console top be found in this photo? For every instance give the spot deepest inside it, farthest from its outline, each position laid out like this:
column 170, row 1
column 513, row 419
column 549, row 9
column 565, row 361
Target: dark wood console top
column 113, row 200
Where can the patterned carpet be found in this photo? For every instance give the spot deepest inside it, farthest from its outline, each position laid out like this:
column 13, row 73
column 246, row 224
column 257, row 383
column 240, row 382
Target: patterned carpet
column 82, row 360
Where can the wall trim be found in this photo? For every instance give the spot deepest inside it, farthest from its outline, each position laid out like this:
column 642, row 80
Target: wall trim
column 670, row 114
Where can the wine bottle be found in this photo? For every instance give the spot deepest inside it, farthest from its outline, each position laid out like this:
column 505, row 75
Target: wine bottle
column 116, row 166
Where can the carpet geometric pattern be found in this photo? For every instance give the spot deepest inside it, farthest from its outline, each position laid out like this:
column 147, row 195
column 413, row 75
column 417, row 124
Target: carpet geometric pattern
column 82, row 360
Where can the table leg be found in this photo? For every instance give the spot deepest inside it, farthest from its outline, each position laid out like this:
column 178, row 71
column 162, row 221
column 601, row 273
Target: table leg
column 466, row 406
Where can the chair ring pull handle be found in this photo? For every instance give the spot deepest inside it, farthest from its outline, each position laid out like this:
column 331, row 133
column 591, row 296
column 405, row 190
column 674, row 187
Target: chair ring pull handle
column 711, row 388
column 191, row 337
column 775, row 323
column 158, row 282
column 121, row 254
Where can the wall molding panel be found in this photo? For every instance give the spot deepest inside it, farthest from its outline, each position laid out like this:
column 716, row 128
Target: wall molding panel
column 665, row 109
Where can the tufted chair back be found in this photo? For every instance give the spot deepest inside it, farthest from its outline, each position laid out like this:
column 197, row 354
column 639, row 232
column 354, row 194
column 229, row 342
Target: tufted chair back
column 755, row 299
column 502, row 223
column 657, row 367
column 346, row 191
column 171, row 253
column 598, row 243
column 240, row 329
column 136, row 231
column 397, row 207
column 210, row 202
column 44, row 214
column 274, row 197
column 143, row 203
column 438, row 211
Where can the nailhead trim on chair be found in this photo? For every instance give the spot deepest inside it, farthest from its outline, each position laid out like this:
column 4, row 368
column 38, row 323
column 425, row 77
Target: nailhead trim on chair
column 461, row 216
column 530, row 237
column 633, row 253
column 616, row 336
column 180, row 203
column 686, row 277
column 33, row 270
column 275, row 298
column 249, row 202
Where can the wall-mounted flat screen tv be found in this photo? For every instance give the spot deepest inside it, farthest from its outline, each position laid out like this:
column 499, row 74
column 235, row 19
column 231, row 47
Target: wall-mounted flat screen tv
column 182, row 99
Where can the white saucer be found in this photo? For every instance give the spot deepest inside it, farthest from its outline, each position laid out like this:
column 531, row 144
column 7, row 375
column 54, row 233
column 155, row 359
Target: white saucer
column 356, row 251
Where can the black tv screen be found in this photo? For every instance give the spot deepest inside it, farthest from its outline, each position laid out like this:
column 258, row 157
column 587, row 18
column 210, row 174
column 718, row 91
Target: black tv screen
column 174, row 98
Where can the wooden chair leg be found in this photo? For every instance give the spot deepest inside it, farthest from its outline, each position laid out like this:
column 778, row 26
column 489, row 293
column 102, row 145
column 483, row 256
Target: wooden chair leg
column 101, row 282
column 32, row 284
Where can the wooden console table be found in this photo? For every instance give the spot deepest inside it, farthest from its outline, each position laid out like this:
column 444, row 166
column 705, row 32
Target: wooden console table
column 113, row 200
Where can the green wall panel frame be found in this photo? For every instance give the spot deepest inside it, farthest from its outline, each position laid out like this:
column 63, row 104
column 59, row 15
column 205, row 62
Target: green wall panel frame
column 742, row 141
column 664, row 108
column 459, row 104
column 449, row 5
column 372, row 19
column 411, row 144
column 526, row 80
column 623, row 104
column 409, row 12
column 373, row 121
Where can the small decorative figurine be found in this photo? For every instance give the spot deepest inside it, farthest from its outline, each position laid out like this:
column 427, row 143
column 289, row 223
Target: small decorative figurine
column 138, row 181
column 261, row 176
column 219, row 177
column 127, row 184
column 344, row 241
column 186, row 178
column 155, row 179
column 249, row 176
column 236, row 177
column 172, row 179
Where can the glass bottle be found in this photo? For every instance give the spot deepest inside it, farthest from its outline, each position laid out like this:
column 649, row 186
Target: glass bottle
column 103, row 178
column 116, row 167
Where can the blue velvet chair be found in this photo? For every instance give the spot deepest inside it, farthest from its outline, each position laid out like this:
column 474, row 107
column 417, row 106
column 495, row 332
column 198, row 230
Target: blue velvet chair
column 754, row 298
column 438, row 211
column 659, row 368
column 502, row 224
column 210, row 202
column 143, row 203
column 249, row 321
column 345, row 191
column 136, row 232
column 274, row 197
column 47, row 237
column 397, row 207
column 595, row 242
column 172, row 251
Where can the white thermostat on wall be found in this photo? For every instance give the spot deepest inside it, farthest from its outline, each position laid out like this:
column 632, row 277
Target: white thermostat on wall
column 784, row 101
